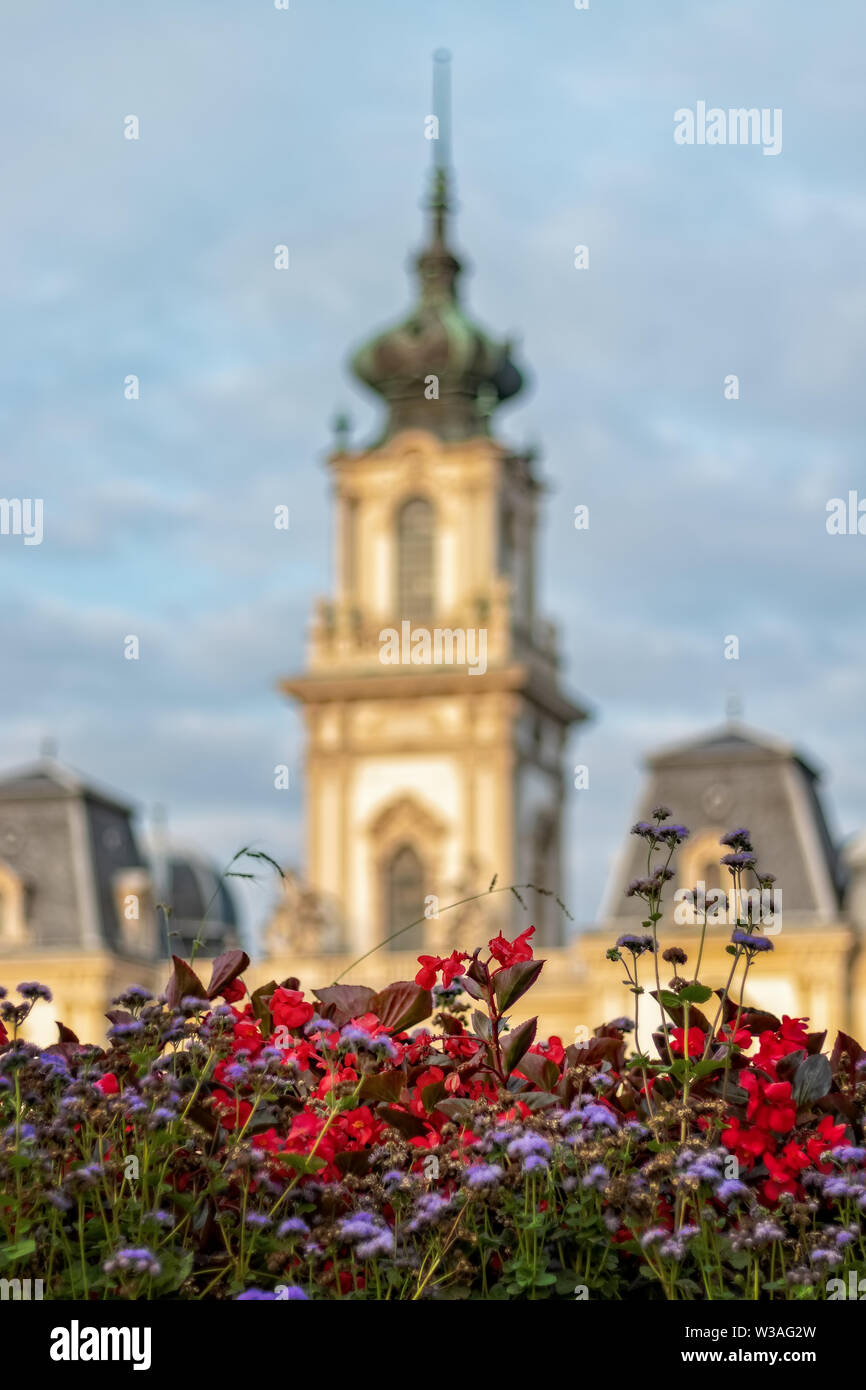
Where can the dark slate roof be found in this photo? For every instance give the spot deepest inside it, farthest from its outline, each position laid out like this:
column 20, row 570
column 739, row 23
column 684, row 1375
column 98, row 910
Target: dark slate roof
column 757, row 781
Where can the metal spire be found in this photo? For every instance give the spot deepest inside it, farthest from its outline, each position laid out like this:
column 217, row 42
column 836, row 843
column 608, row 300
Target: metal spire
column 439, row 200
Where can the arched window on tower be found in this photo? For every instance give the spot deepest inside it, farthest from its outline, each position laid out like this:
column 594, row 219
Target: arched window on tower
column 404, row 898
column 415, row 578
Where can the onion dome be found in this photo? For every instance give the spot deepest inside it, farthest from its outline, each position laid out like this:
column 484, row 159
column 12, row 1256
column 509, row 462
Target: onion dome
column 472, row 373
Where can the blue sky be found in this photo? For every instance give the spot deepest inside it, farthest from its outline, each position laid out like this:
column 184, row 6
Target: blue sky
column 305, row 127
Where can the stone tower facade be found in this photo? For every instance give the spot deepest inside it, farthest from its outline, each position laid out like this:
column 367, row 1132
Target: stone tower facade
column 434, row 714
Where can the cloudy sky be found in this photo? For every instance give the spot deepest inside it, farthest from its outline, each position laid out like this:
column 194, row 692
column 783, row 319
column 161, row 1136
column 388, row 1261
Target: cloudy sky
column 155, row 257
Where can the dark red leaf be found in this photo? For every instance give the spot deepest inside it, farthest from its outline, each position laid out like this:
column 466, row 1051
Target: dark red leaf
column 225, row 969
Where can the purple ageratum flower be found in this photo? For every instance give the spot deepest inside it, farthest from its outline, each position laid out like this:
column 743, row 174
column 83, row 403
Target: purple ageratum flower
column 132, row 996
column 630, row 941
column 255, row 1296
column 751, row 943
column 596, row 1178
column 292, row 1293
column 654, row 1234
column 739, row 861
column 31, row 989
column 737, row 839
column 382, row 1243
column 847, row 1153
column 599, row 1115
column 768, row 1231
column 839, row 1187
column 428, row 1209
column 293, row 1226
column 529, row 1144
column 534, row 1163
column 825, row 1256
column 126, row 1030
column 159, row 1217
column 235, row 1073
column 673, row 834
column 361, row 1225
column 25, row 1132
column 483, row 1174
column 133, row 1260
column 257, row 1220
column 730, row 1188
column 394, row 1175
column 570, row 1117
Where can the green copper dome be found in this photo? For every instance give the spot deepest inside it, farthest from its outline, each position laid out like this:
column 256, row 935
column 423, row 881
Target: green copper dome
column 438, row 339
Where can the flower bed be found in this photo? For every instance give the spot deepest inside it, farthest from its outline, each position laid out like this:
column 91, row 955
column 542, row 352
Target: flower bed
column 411, row 1144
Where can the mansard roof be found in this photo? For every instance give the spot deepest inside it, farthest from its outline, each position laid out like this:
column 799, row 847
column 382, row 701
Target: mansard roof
column 730, row 777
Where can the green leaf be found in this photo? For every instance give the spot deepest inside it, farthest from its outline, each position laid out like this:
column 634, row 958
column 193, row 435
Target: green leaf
column 9, row 1254
column 260, row 1001
column 302, row 1163
column 695, row 994
column 812, row 1079
column 669, row 999
column 517, row 1043
column 511, row 983
column 481, row 1024
column 432, row 1094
